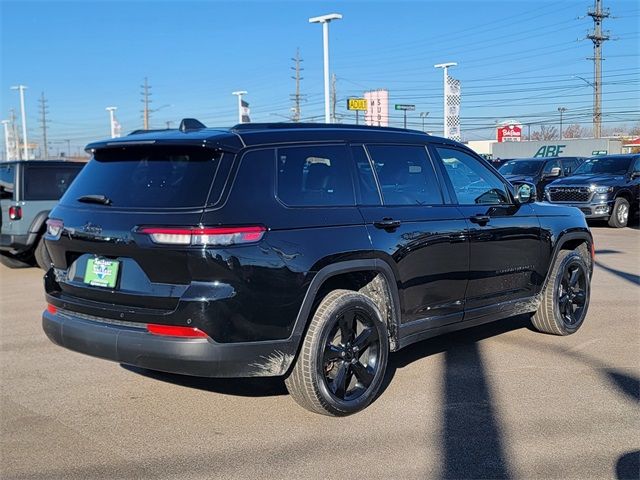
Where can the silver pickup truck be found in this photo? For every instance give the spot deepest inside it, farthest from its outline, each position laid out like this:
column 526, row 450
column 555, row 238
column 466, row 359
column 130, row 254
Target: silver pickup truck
column 28, row 192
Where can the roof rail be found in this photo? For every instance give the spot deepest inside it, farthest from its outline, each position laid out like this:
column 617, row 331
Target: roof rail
column 301, row 126
column 141, row 131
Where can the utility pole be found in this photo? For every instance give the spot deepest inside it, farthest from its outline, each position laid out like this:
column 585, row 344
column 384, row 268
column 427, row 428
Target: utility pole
column 561, row 110
column 25, row 143
column 146, row 101
column 43, row 126
column 14, row 135
column 598, row 37
column 334, row 98
column 297, row 97
column 423, row 116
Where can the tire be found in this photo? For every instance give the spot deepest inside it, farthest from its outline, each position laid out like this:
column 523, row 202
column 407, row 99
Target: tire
column 329, row 376
column 41, row 254
column 14, row 262
column 565, row 299
column 620, row 213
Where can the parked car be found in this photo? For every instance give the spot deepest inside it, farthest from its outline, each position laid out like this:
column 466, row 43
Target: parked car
column 539, row 171
column 300, row 250
column 604, row 187
column 28, row 191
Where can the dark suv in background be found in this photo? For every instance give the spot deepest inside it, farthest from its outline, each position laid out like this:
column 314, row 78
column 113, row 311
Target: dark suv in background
column 28, row 191
column 604, row 187
column 539, row 171
column 306, row 251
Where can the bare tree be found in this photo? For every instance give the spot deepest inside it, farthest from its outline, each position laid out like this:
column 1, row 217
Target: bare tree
column 635, row 130
column 574, row 131
column 545, row 133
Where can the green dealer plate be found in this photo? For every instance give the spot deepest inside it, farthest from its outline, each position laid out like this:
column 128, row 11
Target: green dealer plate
column 101, row 272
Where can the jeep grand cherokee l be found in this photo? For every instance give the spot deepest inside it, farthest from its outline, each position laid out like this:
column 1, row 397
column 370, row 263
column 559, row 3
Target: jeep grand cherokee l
column 304, row 251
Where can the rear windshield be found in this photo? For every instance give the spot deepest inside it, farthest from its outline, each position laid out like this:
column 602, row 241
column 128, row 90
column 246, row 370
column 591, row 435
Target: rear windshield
column 148, row 177
column 604, row 165
column 48, row 182
column 521, row 167
column 7, row 182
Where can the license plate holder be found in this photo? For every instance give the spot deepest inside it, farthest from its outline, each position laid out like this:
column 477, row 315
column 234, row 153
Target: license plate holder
column 101, row 272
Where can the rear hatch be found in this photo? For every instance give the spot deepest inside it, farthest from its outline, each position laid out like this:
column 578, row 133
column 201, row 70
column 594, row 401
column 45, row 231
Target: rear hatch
column 102, row 259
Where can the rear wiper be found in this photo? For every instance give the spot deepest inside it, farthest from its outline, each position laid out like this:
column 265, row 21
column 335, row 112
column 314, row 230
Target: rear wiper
column 100, row 199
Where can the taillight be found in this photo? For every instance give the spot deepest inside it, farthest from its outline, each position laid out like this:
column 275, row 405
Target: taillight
column 54, row 227
column 51, row 309
column 15, row 212
column 222, row 236
column 175, row 331
column 593, row 250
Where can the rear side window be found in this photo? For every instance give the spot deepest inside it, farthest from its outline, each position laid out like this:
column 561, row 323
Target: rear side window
column 314, row 176
column 48, row 182
column 149, row 177
column 366, row 180
column 405, row 174
column 7, row 182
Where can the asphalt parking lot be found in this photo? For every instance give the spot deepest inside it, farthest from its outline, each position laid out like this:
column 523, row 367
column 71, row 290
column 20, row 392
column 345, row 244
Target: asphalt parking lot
column 497, row 401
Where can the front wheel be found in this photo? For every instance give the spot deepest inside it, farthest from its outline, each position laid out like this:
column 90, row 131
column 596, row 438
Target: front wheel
column 565, row 299
column 619, row 214
column 343, row 357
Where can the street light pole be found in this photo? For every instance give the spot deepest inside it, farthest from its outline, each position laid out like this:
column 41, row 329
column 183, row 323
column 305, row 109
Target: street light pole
column 445, row 69
column 112, row 123
column 325, row 20
column 423, row 115
column 5, row 124
column 25, row 146
column 239, row 94
column 561, row 110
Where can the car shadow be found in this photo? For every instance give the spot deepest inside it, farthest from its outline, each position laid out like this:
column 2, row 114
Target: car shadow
column 241, row 387
column 628, row 466
column 630, row 277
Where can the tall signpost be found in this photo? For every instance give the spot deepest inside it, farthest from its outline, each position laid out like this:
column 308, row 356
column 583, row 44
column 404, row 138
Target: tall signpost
column 405, row 108
column 451, row 103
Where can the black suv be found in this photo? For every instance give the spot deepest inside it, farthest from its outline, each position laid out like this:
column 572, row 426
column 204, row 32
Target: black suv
column 28, row 191
column 539, row 171
column 604, row 187
column 305, row 251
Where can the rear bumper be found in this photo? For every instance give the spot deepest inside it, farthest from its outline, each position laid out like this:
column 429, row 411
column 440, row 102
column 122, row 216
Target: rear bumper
column 131, row 344
column 15, row 244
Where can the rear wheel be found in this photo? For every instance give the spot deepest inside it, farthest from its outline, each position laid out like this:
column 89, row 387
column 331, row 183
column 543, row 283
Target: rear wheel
column 343, row 357
column 41, row 255
column 11, row 261
column 566, row 297
column 620, row 213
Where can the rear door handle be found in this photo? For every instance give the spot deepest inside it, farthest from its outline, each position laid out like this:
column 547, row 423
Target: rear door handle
column 480, row 219
column 387, row 223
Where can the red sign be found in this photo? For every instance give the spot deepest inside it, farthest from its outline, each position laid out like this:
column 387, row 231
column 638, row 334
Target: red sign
column 509, row 133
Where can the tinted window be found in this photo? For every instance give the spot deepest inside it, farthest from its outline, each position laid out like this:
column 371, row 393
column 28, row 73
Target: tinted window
column 550, row 166
column 405, row 174
column 569, row 165
column 7, row 182
column 606, row 165
column 472, row 182
column 314, row 176
column 148, row 177
column 636, row 166
column 48, row 182
column 368, row 189
column 521, row 167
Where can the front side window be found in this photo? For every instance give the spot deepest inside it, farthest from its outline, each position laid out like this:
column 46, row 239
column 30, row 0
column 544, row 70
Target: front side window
column 472, row 182
column 7, row 182
column 315, row 176
column 405, row 174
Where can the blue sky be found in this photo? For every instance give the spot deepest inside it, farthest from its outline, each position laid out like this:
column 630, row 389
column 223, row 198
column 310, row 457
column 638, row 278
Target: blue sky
column 517, row 59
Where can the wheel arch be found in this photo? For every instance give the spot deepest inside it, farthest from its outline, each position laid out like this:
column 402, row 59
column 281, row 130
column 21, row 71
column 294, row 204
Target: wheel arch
column 371, row 277
column 580, row 240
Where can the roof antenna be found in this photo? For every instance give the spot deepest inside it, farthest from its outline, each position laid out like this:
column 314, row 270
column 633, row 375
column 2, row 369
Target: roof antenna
column 189, row 124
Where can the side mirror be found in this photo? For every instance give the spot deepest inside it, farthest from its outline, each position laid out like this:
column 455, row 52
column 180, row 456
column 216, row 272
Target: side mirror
column 635, row 175
column 555, row 172
column 525, row 192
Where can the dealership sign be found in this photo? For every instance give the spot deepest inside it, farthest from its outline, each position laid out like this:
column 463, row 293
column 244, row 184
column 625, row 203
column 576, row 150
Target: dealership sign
column 358, row 104
column 377, row 113
column 511, row 132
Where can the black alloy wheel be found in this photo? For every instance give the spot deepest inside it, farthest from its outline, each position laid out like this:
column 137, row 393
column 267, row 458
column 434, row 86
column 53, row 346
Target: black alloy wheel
column 572, row 294
column 351, row 354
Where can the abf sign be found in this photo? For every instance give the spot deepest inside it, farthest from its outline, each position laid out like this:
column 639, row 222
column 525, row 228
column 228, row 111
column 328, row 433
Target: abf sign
column 377, row 113
column 510, row 133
